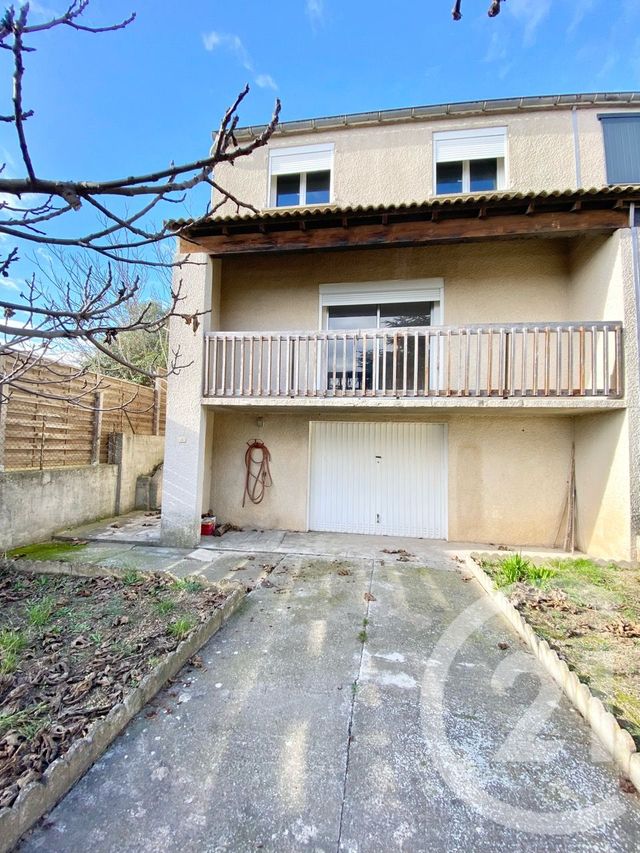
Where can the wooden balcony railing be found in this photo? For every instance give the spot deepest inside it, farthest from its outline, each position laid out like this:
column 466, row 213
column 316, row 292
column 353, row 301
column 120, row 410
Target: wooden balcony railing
column 519, row 360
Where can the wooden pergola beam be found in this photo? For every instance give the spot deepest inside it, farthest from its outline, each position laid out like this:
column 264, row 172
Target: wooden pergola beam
column 367, row 234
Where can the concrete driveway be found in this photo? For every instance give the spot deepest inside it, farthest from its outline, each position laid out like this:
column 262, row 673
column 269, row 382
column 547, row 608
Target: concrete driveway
column 353, row 704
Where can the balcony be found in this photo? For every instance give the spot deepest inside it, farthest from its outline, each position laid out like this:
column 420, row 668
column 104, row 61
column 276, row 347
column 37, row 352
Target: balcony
column 539, row 363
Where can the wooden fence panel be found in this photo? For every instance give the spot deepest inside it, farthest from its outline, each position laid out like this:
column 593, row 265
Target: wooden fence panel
column 42, row 429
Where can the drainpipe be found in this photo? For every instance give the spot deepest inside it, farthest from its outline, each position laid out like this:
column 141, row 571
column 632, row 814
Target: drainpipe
column 635, row 263
column 576, row 146
column 635, row 255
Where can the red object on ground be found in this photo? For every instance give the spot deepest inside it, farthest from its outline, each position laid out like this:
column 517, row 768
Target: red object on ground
column 207, row 528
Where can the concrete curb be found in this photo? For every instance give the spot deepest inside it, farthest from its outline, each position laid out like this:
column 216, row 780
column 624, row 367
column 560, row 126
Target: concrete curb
column 40, row 797
column 78, row 570
column 616, row 740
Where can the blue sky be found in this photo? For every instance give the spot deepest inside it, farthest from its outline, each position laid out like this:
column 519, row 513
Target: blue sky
column 131, row 101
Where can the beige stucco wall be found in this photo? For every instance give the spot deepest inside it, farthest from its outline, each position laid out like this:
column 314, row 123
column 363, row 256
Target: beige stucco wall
column 286, row 436
column 507, row 475
column 521, row 280
column 603, row 486
column 393, row 163
column 606, row 445
column 186, row 426
column 597, row 285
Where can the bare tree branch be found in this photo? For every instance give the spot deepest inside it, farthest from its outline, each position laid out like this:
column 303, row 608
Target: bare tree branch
column 86, row 308
column 494, row 9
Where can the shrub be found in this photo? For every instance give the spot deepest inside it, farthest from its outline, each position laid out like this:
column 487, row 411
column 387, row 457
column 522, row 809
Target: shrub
column 512, row 569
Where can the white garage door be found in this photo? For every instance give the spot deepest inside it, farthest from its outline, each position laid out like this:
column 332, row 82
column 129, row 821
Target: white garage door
column 386, row 478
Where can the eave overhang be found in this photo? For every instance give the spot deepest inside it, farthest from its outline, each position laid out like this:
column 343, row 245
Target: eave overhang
column 451, row 219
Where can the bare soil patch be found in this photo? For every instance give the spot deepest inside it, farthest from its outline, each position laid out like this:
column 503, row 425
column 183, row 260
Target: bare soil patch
column 590, row 614
column 72, row 647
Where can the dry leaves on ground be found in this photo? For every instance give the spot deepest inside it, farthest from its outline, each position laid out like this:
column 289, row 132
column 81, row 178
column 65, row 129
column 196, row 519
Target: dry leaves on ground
column 71, row 648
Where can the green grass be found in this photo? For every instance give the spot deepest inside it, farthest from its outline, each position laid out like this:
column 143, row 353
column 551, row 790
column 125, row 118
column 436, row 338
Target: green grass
column 46, row 550
column 581, row 568
column 132, row 577
column 12, row 641
column 27, row 722
column 40, row 613
column 628, row 707
column 115, row 607
column 595, row 642
column 598, row 597
column 591, row 585
column 122, row 647
column 165, row 606
column 515, row 568
column 362, row 636
column 188, row 585
column 181, row 627
column 11, row 644
column 8, row 663
column 540, row 575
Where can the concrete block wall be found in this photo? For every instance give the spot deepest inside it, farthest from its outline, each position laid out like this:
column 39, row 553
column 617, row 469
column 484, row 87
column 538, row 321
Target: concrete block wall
column 36, row 504
column 135, row 456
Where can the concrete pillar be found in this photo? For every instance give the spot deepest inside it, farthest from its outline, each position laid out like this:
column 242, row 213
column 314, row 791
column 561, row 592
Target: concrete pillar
column 185, row 443
column 630, row 267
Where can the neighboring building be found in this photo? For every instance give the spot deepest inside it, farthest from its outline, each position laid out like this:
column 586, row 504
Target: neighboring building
column 430, row 324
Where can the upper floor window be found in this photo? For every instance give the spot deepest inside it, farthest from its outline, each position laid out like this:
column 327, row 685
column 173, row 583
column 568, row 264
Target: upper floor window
column 622, row 147
column 301, row 175
column 470, row 161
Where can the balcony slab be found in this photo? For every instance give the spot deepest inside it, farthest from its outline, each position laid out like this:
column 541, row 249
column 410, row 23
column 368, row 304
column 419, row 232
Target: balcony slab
column 546, row 405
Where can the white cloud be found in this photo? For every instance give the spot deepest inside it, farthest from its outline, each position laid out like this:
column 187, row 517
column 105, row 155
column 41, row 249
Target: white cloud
column 20, row 320
column 498, row 54
column 8, row 161
column 581, row 10
column 234, row 44
column 530, row 14
column 266, row 81
column 315, row 11
column 211, row 40
column 497, row 50
column 41, row 10
column 8, row 283
column 231, row 42
column 607, row 66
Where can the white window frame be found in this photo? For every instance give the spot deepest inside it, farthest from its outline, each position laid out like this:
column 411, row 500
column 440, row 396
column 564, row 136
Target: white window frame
column 326, row 149
column 502, row 171
column 385, row 292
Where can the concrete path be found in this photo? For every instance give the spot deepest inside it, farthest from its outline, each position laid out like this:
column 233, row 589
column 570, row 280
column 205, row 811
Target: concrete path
column 435, row 731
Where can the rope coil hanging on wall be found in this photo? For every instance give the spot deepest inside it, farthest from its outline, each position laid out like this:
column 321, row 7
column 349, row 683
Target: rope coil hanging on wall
column 258, row 474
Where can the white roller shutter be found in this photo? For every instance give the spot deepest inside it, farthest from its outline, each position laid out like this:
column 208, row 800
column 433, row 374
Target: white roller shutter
column 480, row 144
column 381, row 478
column 309, row 158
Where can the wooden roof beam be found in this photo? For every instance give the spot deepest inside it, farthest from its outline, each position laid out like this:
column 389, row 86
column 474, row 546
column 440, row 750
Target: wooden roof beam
column 409, row 232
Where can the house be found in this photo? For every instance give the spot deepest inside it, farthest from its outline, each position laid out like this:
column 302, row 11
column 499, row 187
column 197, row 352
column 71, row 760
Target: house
column 431, row 323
